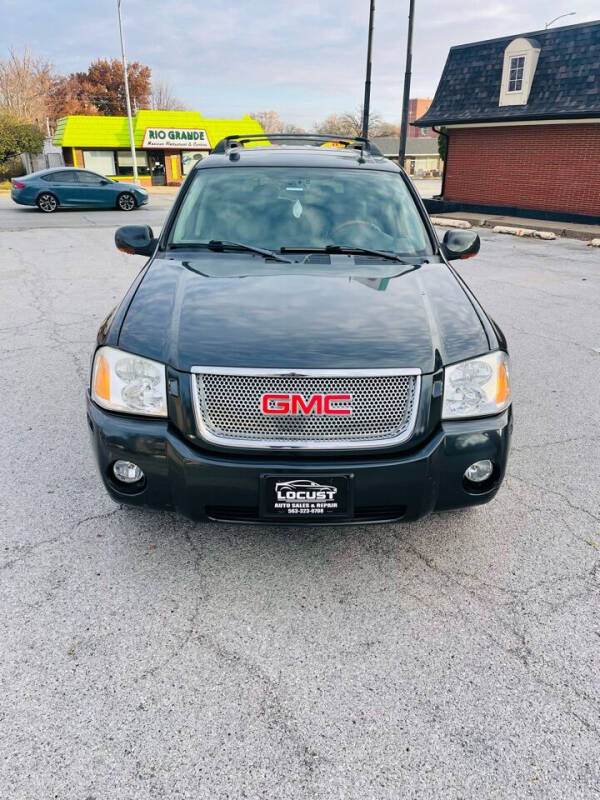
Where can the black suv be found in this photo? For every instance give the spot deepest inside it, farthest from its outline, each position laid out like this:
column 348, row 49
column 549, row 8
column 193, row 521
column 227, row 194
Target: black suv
column 298, row 349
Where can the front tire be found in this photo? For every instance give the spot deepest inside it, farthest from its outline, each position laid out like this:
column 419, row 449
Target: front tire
column 47, row 203
column 126, row 202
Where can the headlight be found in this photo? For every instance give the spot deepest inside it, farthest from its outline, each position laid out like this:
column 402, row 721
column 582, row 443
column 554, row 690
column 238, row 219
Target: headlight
column 124, row 382
column 478, row 387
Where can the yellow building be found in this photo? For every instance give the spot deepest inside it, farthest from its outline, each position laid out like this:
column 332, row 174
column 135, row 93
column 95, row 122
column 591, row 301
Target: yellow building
column 167, row 143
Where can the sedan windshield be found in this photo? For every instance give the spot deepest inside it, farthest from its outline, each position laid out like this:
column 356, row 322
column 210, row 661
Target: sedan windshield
column 294, row 207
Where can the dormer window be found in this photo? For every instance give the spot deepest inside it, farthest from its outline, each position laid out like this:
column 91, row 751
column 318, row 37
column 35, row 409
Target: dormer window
column 518, row 70
column 515, row 75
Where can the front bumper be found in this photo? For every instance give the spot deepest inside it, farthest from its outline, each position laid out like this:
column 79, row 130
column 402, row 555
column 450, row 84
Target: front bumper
column 204, row 485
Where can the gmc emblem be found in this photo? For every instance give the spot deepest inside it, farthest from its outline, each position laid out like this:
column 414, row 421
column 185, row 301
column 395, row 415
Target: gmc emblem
column 291, row 404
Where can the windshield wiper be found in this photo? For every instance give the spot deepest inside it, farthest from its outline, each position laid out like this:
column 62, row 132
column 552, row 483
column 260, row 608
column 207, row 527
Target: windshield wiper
column 218, row 246
column 338, row 249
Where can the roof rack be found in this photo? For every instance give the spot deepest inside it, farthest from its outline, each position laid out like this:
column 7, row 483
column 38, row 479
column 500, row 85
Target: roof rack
column 351, row 142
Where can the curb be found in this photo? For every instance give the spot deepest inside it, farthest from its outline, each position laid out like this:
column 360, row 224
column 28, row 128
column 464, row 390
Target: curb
column 524, row 232
column 446, row 222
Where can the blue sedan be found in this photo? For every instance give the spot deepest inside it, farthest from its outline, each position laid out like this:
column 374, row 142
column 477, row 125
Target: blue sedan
column 70, row 187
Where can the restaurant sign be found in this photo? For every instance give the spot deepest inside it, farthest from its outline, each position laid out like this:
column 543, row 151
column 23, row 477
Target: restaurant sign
column 176, row 138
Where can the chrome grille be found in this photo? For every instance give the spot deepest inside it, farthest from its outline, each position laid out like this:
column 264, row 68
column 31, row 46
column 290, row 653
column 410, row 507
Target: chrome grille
column 228, row 407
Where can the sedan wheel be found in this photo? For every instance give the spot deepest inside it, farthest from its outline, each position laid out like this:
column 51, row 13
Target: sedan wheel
column 47, row 203
column 126, row 202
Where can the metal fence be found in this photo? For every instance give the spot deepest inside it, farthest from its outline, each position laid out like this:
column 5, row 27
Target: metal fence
column 42, row 161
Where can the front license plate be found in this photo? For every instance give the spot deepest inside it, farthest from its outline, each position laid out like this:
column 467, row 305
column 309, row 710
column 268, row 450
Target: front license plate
column 317, row 497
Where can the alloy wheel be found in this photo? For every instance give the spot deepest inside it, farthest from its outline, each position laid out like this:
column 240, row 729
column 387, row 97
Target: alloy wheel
column 126, row 202
column 47, row 203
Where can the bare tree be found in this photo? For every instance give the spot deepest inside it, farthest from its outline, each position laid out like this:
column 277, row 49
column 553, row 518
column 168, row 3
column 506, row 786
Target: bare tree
column 289, row 127
column 348, row 124
column 25, row 81
column 353, row 120
column 335, row 124
column 384, row 129
column 163, row 97
column 272, row 123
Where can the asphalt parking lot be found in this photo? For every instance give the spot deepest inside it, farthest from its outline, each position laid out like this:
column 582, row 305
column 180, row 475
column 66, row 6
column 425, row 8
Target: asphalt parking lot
column 147, row 656
column 22, row 218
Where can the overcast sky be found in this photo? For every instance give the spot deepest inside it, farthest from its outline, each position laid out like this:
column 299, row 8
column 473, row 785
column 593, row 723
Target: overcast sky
column 303, row 58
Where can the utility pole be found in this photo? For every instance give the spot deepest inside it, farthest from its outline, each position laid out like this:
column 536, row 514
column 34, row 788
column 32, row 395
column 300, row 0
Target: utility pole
column 407, row 77
column 367, row 100
column 127, row 100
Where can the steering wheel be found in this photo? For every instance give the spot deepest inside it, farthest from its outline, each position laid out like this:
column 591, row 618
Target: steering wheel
column 355, row 222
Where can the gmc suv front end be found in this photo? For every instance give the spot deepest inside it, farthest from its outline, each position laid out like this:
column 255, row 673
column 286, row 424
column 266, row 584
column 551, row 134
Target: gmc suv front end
column 298, row 349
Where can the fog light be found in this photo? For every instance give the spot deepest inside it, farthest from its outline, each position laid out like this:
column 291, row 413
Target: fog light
column 479, row 471
column 127, row 472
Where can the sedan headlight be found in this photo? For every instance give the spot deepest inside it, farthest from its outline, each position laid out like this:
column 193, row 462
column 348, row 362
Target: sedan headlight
column 478, row 387
column 128, row 383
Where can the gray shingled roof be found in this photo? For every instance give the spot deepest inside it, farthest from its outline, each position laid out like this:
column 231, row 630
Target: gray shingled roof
column 566, row 82
column 415, row 145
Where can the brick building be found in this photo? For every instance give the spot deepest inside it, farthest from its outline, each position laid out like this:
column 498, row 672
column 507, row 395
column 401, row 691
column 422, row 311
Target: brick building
column 522, row 115
column 417, row 107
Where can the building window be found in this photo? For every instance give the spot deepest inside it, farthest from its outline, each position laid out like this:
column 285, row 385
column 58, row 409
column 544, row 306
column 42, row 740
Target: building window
column 515, row 73
column 102, row 161
column 518, row 71
column 189, row 158
column 125, row 162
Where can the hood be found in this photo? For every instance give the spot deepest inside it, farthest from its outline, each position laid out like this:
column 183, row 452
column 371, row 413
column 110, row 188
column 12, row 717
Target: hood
column 132, row 187
column 241, row 312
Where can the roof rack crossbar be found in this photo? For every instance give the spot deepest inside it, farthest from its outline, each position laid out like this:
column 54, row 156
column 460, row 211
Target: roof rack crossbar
column 354, row 142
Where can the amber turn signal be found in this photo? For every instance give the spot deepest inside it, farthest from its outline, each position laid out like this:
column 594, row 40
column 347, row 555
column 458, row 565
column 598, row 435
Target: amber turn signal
column 502, row 385
column 102, row 378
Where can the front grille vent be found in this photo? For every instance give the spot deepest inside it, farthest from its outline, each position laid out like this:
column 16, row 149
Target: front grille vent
column 361, row 514
column 229, row 408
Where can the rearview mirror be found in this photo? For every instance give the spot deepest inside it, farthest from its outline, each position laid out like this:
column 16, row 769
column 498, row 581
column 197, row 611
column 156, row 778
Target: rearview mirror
column 460, row 244
column 136, row 240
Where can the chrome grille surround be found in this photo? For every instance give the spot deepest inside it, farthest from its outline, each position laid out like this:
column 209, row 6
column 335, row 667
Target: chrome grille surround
column 227, row 407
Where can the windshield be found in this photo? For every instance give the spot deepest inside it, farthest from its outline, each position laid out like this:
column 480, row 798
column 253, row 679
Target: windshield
column 275, row 207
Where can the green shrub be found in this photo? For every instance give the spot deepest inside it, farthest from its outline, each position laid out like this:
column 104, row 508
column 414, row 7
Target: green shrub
column 443, row 143
column 17, row 137
column 11, row 168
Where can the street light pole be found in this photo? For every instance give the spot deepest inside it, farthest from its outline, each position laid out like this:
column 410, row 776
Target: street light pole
column 407, row 77
column 127, row 100
column 552, row 21
column 367, row 100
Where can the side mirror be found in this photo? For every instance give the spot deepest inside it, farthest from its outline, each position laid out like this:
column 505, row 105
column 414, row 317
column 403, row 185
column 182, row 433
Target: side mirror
column 460, row 244
column 104, row 182
column 136, row 240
